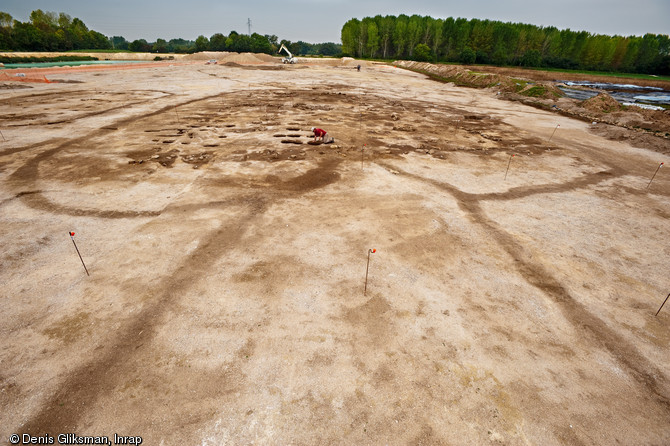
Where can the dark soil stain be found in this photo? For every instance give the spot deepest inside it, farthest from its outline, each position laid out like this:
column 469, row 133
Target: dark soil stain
column 315, row 178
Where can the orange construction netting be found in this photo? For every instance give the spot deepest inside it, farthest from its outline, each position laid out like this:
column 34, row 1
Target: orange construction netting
column 22, row 77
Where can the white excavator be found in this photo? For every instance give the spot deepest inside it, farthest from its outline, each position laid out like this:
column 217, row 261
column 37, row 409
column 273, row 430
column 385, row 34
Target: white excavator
column 289, row 58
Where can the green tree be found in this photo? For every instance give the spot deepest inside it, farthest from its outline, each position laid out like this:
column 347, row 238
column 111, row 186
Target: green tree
column 99, row 41
column 6, row 24
column 64, row 21
column 44, row 21
column 531, row 58
column 160, row 46
column 181, row 46
column 501, row 43
column 422, row 52
column 436, row 38
column 620, row 47
column 139, row 46
column 6, row 20
column 462, row 36
column 217, row 42
column 78, row 34
column 468, row 55
column 27, row 37
column 349, row 36
column 330, row 49
column 260, row 44
column 414, row 32
column 362, row 38
column 201, row 43
column 648, row 54
column 385, row 26
column 240, row 43
column 119, row 43
column 400, row 36
column 373, row 39
column 273, row 40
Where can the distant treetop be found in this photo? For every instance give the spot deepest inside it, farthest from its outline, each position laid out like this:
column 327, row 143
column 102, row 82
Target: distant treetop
column 50, row 31
column 494, row 42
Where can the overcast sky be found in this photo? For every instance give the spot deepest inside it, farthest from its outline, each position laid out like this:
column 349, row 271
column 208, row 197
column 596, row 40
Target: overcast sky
column 317, row 21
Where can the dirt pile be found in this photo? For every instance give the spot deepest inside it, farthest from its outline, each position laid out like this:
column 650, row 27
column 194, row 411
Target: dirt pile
column 267, row 58
column 454, row 73
column 207, row 55
column 552, row 76
column 545, row 95
column 242, row 58
column 602, row 103
column 351, row 62
column 465, row 77
column 224, row 57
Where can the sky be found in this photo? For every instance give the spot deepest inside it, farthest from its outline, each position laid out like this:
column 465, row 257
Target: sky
column 318, row 21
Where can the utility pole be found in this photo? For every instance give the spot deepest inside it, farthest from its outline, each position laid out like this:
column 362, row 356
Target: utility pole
column 249, row 25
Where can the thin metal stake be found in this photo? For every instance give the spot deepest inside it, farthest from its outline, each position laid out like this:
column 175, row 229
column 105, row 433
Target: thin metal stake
column 75, row 247
column 652, row 178
column 552, row 133
column 362, row 149
column 3, row 137
column 360, row 108
column 175, row 112
column 659, row 310
column 370, row 251
column 508, row 163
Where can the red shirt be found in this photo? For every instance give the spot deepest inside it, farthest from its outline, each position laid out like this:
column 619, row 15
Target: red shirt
column 319, row 132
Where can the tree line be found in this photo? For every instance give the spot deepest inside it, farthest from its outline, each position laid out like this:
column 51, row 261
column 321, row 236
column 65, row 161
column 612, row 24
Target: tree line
column 425, row 38
column 50, row 31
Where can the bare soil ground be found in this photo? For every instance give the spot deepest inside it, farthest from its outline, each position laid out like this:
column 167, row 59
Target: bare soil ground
column 511, row 300
column 646, row 128
column 541, row 75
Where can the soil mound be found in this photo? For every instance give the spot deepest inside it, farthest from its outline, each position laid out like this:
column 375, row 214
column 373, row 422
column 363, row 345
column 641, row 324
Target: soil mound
column 603, row 103
column 268, row 58
column 241, row 58
column 455, row 73
column 351, row 62
column 207, row 55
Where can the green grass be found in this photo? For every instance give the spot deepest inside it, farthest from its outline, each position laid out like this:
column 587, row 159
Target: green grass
column 557, row 70
column 535, row 92
column 564, row 70
column 100, row 51
column 603, row 73
column 14, row 59
column 520, row 84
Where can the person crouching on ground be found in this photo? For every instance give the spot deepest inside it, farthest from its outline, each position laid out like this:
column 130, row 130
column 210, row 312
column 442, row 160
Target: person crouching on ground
column 319, row 134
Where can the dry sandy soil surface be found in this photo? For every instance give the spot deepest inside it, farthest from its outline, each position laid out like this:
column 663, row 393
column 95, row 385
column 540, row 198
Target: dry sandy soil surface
column 510, row 300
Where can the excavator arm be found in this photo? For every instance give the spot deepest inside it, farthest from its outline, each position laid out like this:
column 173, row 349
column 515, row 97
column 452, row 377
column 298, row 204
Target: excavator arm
column 290, row 58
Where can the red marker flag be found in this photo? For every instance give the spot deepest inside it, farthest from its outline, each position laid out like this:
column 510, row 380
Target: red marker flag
column 78, row 253
column 367, row 267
